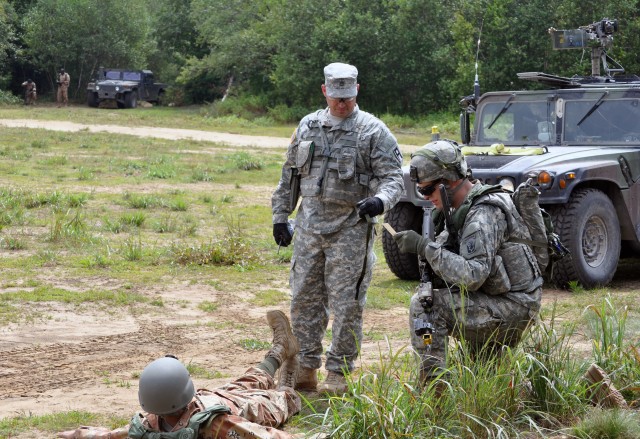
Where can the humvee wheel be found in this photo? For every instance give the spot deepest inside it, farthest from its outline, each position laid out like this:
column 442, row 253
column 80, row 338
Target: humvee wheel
column 588, row 226
column 404, row 216
column 130, row 100
column 92, row 99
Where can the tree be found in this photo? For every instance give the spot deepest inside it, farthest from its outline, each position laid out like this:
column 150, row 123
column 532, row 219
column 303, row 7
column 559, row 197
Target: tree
column 7, row 41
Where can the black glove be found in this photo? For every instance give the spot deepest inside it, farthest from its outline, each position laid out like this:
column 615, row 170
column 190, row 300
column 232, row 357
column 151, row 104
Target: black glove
column 409, row 241
column 371, row 206
column 282, row 234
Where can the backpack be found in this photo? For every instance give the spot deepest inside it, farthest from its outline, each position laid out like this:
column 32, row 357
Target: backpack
column 544, row 243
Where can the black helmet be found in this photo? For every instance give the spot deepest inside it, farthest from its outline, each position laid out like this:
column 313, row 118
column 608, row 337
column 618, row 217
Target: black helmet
column 165, row 386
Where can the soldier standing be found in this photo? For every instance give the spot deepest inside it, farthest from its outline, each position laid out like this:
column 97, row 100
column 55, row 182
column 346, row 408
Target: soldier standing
column 63, row 87
column 495, row 284
column 346, row 166
column 30, row 94
column 249, row 407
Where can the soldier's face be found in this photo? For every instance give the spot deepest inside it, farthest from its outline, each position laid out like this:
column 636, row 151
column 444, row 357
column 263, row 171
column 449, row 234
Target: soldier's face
column 430, row 191
column 342, row 107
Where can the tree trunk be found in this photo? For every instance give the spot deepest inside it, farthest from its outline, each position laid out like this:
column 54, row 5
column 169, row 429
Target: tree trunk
column 226, row 92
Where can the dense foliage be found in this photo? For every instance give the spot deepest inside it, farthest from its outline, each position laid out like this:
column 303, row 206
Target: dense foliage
column 414, row 56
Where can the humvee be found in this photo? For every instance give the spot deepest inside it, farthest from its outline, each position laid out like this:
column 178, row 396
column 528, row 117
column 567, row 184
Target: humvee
column 580, row 142
column 125, row 87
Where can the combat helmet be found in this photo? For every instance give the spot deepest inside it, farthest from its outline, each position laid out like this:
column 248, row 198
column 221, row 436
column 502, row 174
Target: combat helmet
column 165, row 386
column 441, row 159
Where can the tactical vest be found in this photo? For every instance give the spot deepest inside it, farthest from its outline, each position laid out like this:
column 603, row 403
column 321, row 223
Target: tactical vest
column 334, row 171
column 137, row 429
column 515, row 268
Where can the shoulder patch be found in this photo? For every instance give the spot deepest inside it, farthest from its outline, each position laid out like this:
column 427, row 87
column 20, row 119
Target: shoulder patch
column 398, row 154
column 470, row 243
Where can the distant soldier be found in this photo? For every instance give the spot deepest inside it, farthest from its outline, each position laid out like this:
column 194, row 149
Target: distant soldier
column 63, row 86
column 29, row 92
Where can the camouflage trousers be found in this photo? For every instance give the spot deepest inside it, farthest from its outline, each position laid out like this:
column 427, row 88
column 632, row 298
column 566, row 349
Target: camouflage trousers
column 254, row 397
column 485, row 322
column 325, row 270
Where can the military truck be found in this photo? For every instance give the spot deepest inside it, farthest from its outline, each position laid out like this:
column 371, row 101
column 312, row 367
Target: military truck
column 580, row 142
column 125, row 87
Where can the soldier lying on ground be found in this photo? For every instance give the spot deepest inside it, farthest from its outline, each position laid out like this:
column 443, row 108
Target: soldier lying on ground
column 250, row 407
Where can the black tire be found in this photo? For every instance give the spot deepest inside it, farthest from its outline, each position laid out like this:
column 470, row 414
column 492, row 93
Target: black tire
column 92, row 99
column 130, row 100
column 404, row 216
column 158, row 101
column 588, row 226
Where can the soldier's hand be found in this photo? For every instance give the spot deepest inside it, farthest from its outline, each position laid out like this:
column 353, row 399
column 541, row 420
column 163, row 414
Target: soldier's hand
column 282, row 234
column 371, row 206
column 409, row 241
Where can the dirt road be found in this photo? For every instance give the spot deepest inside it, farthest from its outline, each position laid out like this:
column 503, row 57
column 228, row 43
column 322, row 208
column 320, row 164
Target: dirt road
column 163, row 133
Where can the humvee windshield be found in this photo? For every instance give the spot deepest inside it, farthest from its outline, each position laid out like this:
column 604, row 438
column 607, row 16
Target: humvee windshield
column 600, row 117
column 514, row 122
column 611, row 121
column 126, row 76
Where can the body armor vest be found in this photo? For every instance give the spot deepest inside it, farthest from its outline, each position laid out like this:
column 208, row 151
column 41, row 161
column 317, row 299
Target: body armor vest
column 515, row 268
column 202, row 411
column 333, row 169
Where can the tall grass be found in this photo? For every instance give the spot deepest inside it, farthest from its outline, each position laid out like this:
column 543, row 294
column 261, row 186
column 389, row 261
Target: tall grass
column 534, row 390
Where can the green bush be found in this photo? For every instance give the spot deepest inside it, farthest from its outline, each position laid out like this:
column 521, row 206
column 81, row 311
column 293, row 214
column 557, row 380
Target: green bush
column 6, row 98
column 282, row 113
column 244, row 107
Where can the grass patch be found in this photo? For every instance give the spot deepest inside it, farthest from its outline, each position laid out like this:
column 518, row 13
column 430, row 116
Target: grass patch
column 251, row 344
column 269, row 298
column 57, row 422
column 207, row 306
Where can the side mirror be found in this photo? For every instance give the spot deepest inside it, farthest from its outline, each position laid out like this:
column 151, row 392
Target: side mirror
column 465, row 128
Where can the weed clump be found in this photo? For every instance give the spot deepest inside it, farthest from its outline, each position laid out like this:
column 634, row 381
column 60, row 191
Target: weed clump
column 230, row 251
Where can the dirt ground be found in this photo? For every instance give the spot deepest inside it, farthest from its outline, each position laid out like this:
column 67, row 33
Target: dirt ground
column 77, row 358
column 85, row 359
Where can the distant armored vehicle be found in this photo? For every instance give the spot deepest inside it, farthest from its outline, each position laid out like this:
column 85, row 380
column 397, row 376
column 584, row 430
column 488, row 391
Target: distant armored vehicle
column 126, row 87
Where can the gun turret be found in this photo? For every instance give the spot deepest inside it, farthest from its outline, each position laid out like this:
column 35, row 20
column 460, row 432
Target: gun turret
column 598, row 36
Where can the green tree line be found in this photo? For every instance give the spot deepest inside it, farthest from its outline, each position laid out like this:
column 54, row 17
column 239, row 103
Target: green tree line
column 414, row 56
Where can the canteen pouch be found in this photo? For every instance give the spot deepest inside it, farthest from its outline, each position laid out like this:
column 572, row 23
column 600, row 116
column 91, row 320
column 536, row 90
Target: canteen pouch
column 304, row 157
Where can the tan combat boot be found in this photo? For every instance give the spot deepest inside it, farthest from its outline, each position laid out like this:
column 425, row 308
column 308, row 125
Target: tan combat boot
column 601, row 391
column 334, row 384
column 284, row 345
column 307, row 380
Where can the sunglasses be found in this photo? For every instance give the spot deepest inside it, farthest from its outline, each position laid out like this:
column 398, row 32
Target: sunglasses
column 428, row 190
column 345, row 100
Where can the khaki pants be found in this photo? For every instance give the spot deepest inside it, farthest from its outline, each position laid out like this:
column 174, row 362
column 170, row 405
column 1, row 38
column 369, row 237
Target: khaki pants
column 63, row 97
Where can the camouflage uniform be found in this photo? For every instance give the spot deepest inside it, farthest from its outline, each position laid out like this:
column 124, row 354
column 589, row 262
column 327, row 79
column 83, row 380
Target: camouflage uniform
column 502, row 280
column 63, row 87
column 256, row 409
column 332, row 242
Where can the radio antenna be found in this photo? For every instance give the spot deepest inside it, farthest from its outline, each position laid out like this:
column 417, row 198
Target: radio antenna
column 476, row 81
